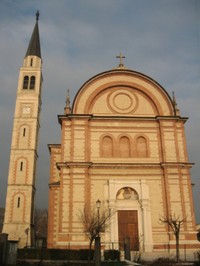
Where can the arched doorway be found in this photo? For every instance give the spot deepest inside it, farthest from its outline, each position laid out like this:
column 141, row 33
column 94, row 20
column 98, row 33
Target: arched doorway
column 128, row 219
column 131, row 196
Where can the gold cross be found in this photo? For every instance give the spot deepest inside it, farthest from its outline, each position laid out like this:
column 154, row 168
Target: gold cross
column 120, row 56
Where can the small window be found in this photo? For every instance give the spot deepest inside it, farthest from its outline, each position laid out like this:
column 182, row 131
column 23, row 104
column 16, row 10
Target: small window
column 32, row 83
column 21, row 166
column 24, row 132
column 25, row 83
column 31, row 63
column 18, row 202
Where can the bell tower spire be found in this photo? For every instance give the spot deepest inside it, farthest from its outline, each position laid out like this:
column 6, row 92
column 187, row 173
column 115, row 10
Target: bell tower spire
column 34, row 44
column 19, row 209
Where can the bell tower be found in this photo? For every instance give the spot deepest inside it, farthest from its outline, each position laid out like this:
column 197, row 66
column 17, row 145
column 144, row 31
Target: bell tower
column 19, row 209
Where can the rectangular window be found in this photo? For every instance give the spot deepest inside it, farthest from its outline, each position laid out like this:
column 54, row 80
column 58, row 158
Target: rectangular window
column 24, row 132
column 18, row 202
column 21, row 166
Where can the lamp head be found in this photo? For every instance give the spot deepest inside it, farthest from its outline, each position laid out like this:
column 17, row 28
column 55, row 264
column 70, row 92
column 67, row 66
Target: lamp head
column 98, row 204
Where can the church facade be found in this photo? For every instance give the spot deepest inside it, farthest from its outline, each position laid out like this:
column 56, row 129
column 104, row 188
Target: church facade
column 123, row 143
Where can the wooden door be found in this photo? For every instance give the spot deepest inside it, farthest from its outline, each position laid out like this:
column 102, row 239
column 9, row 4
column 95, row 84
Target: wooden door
column 128, row 227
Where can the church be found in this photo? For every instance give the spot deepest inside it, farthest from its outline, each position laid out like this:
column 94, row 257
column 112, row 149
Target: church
column 122, row 143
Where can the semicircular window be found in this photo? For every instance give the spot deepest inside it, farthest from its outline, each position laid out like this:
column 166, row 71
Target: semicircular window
column 127, row 193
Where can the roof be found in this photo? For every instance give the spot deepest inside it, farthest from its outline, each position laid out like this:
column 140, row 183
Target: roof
column 34, row 44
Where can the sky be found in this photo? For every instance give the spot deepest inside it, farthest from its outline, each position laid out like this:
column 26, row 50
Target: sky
column 81, row 38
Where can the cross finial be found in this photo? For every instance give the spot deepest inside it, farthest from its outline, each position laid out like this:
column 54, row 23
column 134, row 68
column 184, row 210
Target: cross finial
column 37, row 15
column 120, row 56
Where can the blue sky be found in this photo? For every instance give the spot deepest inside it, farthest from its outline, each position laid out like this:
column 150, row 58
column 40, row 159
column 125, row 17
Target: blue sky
column 79, row 39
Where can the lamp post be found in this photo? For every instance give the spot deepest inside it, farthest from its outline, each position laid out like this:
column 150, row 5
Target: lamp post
column 98, row 205
column 97, row 239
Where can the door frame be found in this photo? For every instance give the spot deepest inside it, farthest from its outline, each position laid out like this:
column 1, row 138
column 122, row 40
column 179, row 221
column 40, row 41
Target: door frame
column 142, row 205
column 133, row 240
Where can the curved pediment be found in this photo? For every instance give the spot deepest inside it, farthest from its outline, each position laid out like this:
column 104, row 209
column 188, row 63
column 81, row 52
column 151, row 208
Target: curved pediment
column 122, row 93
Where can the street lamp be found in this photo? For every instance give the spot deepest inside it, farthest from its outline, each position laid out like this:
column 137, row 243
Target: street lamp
column 98, row 205
column 97, row 238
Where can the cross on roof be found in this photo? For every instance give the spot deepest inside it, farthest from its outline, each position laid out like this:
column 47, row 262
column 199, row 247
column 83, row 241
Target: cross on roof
column 120, row 56
column 37, row 15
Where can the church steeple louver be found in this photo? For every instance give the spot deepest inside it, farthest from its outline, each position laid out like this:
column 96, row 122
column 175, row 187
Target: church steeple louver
column 34, row 44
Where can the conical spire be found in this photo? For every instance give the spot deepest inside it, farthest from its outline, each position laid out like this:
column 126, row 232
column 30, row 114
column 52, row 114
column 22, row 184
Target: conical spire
column 34, row 44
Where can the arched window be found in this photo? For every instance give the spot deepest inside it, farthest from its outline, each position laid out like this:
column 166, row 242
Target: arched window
column 127, row 193
column 141, row 145
column 124, row 147
column 25, row 83
column 32, row 83
column 107, row 147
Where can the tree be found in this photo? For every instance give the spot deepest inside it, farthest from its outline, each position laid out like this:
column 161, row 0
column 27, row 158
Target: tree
column 40, row 225
column 95, row 221
column 174, row 223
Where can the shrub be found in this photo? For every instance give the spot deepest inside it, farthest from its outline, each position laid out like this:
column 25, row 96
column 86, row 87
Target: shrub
column 85, row 253
column 163, row 262
column 112, row 254
column 50, row 254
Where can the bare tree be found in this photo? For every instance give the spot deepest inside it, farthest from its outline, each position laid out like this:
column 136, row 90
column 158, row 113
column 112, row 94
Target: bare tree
column 40, row 224
column 175, row 223
column 95, row 222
